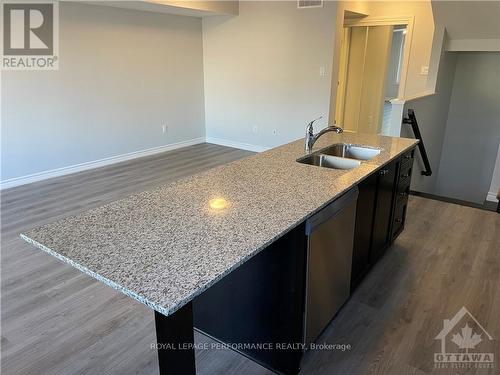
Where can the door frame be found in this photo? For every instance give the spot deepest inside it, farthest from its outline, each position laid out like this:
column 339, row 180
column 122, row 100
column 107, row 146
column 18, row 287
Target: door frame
column 342, row 80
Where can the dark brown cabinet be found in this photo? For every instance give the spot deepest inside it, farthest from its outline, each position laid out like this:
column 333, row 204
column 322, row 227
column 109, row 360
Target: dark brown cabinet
column 399, row 217
column 380, row 214
column 402, row 192
column 273, row 297
column 365, row 211
column 262, row 301
column 383, row 210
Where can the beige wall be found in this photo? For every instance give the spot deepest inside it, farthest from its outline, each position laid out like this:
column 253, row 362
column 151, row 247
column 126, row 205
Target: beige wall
column 122, row 75
column 262, row 71
column 421, row 43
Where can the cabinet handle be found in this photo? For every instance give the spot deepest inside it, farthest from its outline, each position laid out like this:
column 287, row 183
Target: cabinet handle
column 408, row 157
column 405, row 175
column 399, row 220
column 384, row 172
column 402, row 194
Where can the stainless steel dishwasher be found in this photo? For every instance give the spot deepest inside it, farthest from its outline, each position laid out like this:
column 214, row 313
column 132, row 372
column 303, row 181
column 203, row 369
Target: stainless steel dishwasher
column 330, row 235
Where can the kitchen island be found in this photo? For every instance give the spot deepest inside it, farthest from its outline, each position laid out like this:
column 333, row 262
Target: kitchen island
column 169, row 247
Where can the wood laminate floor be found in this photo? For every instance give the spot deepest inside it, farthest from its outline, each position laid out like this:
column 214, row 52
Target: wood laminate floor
column 56, row 320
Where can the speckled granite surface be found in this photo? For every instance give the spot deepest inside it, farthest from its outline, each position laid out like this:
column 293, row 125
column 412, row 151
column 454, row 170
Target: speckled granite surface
column 164, row 247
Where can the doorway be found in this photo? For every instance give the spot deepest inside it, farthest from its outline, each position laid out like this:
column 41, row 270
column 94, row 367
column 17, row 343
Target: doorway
column 372, row 75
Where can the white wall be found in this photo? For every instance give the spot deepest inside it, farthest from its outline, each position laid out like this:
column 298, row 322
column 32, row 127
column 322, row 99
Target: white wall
column 123, row 74
column 473, row 128
column 395, row 64
column 460, row 127
column 432, row 114
column 495, row 180
column 262, row 69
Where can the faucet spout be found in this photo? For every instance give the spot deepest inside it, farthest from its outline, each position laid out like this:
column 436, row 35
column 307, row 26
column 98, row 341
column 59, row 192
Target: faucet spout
column 311, row 138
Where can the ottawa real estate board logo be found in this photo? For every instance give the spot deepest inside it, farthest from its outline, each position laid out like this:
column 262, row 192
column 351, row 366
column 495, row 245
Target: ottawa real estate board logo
column 30, row 35
column 464, row 343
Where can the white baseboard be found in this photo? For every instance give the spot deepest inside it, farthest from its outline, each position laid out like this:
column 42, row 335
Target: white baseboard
column 240, row 145
column 17, row 181
column 492, row 197
column 23, row 180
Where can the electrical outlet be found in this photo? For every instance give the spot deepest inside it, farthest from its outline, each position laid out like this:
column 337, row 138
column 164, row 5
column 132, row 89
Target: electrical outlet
column 164, row 128
column 255, row 129
column 275, row 131
column 322, row 71
column 424, row 70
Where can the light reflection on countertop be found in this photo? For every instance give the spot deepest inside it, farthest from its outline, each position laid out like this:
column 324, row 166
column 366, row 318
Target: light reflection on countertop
column 218, row 204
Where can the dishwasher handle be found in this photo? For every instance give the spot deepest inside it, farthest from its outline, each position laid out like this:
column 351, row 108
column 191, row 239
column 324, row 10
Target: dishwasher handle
column 331, row 210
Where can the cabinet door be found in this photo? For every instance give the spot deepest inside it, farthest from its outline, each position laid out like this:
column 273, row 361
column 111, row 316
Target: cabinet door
column 365, row 211
column 383, row 210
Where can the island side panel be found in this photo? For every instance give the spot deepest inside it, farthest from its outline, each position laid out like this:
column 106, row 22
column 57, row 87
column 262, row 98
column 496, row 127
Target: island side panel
column 175, row 342
column 261, row 302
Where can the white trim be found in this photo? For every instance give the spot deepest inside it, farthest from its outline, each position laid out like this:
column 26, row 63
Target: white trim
column 396, row 118
column 17, row 181
column 379, row 20
column 40, row 176
column 475, row 45
column 420, row 95
column 492, row 197
column 234, row 144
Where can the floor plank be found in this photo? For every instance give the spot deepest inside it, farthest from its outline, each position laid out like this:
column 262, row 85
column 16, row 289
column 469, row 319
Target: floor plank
column 56, row 320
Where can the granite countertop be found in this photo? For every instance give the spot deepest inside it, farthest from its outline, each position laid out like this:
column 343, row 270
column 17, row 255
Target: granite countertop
column 165, row 246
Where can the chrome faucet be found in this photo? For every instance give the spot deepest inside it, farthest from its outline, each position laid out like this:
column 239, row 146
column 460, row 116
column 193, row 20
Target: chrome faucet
column 311, row 138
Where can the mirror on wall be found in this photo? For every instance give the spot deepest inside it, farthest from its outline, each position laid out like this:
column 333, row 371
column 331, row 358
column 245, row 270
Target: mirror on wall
column 370, row 73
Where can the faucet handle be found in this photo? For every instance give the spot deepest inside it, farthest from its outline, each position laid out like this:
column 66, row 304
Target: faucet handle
column 336, row 129
column 309, row 127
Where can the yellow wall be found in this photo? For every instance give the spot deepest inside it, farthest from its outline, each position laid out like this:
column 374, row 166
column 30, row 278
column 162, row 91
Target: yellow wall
column 354, row 79
column 372, row 95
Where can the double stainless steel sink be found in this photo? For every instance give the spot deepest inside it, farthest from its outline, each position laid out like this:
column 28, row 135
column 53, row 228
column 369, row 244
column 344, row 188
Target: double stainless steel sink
column 340, row 156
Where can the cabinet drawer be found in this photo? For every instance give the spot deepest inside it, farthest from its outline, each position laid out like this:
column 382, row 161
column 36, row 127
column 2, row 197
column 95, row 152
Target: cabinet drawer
column 405, row 170
column 408, row 157
column 399, row 216
column 403, row 187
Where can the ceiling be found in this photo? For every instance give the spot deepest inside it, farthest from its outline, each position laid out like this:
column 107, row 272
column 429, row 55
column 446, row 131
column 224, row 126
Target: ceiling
column 468, row 19
column 185, row 8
